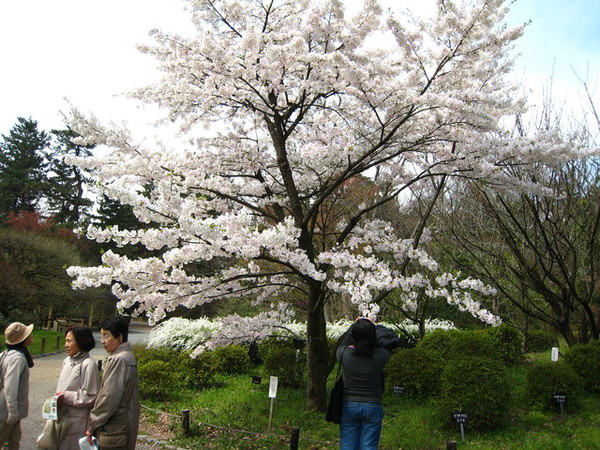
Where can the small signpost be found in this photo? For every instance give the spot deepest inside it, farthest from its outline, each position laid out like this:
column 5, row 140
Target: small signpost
column 554, row 354
column 461, row 418
column 561, row 399
column 272, row 394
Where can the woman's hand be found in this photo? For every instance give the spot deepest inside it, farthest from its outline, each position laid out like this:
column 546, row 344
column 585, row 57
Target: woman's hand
column 60, row 399
column 363, row 317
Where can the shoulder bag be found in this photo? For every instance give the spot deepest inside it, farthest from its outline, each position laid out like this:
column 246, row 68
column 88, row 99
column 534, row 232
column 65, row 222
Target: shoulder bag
column 334, row 406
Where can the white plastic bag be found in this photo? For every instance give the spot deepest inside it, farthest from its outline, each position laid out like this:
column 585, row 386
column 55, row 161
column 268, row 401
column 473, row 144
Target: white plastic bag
column 85, row 445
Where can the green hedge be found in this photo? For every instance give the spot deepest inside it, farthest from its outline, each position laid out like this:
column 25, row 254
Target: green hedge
column 187, row 371
column 158, row 379
column 417, row 370
column 508, row 343
column 540, row 341
column 285, row 359
column 546, row 378
column 232, row 359
column 584, row 359
column 452, row 344
column 477, row 386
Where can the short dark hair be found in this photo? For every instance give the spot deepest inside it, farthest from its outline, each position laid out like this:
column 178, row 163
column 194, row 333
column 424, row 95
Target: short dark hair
column 83, row 336
column 117, row 326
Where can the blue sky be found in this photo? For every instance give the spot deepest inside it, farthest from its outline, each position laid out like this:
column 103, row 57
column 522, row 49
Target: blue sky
column 85, row 51
column 563, row 37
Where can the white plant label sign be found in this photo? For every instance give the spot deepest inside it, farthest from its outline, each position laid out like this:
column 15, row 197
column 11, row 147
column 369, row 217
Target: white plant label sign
column 273, row 387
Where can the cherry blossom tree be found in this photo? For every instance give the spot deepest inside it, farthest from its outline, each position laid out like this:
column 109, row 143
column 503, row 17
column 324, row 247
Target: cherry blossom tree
column 286, row 102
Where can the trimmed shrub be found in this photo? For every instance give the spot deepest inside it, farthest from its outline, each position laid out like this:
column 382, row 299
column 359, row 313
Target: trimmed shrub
column 540, row 341
column 199, row 371
column 477, row 386
column 438, row 341
column 144, row 354
column 194, row 372
column 584, row 359
column 453, row 344
column 158, row 380
column 282, row 359
column 267, row 345
column 546, row 378
column 417, row 370
column 508, row 343
column 232, row 359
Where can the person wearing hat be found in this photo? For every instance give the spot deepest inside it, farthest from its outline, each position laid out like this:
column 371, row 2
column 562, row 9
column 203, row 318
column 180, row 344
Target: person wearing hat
column 15, row 362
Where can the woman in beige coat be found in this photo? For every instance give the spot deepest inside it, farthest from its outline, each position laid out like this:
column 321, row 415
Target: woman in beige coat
column 78, row 385
column 14, row 395
column 114, row 419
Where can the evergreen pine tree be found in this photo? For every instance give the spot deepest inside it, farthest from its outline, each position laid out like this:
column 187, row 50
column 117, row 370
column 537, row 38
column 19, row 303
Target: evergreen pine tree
column 65, row 192
column 22, row 167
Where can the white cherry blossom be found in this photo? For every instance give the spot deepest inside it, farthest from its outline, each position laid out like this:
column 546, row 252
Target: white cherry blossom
column 289, row 106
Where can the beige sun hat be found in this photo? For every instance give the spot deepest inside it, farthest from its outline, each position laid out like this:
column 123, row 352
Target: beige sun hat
column 17, row 332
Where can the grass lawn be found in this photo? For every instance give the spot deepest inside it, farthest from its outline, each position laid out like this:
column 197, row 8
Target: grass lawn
column 234, row 414
column 55, row 341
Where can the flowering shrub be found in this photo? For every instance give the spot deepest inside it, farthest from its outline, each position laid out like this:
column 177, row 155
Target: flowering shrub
column 182, row 334
column 187, row 334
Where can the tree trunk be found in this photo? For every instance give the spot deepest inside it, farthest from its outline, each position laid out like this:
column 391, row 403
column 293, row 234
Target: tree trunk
column 584, row 329
column 91, row 319
column 564, row 328
column 317, row 352
column 50, row 317
column 590, row 321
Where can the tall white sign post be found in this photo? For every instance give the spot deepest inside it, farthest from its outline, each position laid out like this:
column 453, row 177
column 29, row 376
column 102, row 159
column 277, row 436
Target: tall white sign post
column 272, row 394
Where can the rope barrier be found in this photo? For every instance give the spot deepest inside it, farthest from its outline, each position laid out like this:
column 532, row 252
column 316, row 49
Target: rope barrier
column 235, row 430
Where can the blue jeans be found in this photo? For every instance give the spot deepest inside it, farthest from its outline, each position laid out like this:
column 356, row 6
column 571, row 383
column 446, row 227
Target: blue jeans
column 360, row 427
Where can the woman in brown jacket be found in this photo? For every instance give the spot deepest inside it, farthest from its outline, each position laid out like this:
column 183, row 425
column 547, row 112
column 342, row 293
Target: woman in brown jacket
column 115, row 416
column 78, row 384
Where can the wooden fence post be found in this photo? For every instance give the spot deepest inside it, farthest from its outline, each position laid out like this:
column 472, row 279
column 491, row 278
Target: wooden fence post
column 43, row 346
column 294, row 438
column 185, row 421
column 57, row 342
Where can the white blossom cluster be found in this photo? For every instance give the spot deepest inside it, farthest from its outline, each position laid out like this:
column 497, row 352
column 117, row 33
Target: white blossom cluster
column 200, row 334
column 182, row 334
column 286, row 104
column 237, row 329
